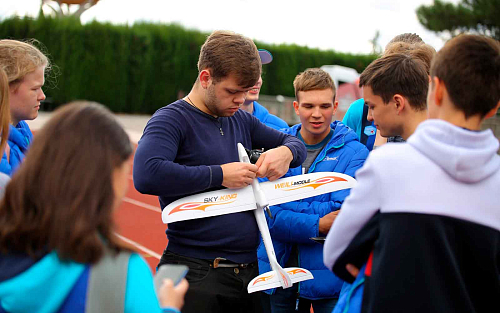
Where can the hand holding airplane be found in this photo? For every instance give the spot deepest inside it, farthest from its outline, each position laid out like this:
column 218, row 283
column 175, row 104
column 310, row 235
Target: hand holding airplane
column 257, row 197
column 274, row 163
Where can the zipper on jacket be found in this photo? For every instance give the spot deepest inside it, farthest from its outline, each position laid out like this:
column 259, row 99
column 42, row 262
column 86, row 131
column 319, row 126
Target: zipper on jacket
column 313, row 167
column 348, row 300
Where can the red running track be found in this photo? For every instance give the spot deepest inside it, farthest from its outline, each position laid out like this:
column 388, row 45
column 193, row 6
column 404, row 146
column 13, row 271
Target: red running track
column 138, row 221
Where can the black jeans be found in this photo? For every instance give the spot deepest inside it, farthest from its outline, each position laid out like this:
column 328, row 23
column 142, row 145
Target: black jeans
column 285, row 300
column 219, row 289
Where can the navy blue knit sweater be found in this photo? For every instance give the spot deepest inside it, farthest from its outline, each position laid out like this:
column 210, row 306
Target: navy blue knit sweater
column 180, row 154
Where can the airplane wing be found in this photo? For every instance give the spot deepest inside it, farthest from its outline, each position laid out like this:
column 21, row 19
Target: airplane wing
column 304, row 186
column 212, row 203
column 226, row 201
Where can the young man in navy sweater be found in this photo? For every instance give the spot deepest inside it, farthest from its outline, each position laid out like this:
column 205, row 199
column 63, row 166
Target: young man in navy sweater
column 190, row 147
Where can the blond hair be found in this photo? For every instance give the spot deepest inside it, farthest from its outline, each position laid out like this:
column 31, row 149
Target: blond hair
column 419, row 50
column 410, row 38
column 18, row 58
column 4, row 110
column 313, row 79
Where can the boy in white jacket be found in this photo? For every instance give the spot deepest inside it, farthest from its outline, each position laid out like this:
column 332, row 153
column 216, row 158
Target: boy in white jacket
column 434, row 221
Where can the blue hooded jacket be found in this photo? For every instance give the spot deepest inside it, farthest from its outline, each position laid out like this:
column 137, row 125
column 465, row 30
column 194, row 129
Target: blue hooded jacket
column 20, row 137
column 51, row 285
column 295, row 222
column 263, row 115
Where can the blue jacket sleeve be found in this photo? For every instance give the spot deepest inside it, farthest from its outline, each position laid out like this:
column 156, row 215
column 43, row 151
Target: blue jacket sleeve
column 357, row 161
column 140, row 295
column 293, row 226
column 5, row 166
column 155, row 171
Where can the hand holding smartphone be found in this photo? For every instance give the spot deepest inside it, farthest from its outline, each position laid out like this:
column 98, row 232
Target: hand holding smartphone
column 175, row 272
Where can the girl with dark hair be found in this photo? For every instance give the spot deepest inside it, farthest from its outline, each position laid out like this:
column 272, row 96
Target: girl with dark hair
column 57, row 239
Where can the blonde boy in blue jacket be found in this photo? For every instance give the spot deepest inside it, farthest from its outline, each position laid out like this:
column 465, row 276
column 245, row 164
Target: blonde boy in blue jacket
column 331, row 147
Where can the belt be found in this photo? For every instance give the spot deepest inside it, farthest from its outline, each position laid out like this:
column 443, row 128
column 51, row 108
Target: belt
column 222, row 262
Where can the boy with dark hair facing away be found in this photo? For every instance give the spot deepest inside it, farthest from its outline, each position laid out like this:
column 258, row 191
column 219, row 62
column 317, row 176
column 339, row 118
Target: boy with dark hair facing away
column 395, row 90
column 331, row 147
column 437, row 203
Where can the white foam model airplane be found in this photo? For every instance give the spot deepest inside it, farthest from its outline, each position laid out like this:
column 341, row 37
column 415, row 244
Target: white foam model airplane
column 257, row 197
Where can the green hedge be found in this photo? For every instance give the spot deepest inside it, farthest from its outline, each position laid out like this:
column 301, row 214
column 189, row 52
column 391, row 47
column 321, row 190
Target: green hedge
column 140, row 68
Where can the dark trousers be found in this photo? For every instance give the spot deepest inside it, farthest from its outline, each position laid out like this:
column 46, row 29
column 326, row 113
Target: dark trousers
column 222, row 289
column 285, row 300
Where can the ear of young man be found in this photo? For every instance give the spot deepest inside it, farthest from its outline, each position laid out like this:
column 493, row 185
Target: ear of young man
column 205, row 78
column 437, row 87
column 493, row 111
column 335, row 107
column 399, row 103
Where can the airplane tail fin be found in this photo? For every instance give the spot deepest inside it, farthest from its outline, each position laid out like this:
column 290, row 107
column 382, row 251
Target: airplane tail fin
column 281, row 277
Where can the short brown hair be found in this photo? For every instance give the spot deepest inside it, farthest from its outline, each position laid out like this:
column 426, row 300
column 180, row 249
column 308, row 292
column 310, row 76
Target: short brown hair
column 410, row 38
column 18, row 58
column 469, row 66
column 62, row 197
column 398, row 73
column 421, row 51
column 4, row 110
column 225, row 53
column 313, row 79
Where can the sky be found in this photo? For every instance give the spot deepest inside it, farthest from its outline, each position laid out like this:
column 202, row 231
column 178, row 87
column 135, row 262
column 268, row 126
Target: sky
column 345, row 26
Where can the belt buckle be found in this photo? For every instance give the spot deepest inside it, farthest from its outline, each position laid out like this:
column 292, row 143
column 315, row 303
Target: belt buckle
column 217, row 260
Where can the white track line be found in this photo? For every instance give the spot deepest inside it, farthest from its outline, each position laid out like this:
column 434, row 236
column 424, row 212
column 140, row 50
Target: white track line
column 142, row 204
column 140, row 247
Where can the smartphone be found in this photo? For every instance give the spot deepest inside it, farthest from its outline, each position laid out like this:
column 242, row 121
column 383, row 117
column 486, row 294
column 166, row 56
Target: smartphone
column 175, row 272
column 320, row 240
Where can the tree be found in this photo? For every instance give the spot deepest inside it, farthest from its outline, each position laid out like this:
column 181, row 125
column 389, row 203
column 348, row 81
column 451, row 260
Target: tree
column 83, row 5
column 376, row 48
column 480, row 16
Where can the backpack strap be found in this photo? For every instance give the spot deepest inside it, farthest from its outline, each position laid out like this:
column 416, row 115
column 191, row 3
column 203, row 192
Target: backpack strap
column 367, row 138
column 107, row 284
